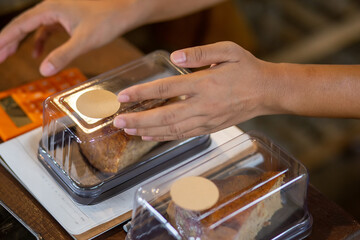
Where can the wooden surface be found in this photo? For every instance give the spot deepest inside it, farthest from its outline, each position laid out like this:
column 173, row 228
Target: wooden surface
column 330, row 221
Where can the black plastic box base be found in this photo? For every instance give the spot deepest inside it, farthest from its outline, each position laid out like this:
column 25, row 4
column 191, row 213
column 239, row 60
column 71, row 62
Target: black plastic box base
column 156, row 161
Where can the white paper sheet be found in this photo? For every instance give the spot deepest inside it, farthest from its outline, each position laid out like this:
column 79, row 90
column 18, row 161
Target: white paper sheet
column 20, row 155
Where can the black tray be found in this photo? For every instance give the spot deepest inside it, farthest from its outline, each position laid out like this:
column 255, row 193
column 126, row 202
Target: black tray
column 160, row 158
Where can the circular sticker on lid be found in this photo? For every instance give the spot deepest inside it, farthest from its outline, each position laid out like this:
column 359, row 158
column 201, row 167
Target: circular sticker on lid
column 194, row 193
column 97, row 103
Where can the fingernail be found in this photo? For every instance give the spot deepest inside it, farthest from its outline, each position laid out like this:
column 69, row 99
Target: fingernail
column 147, row 138
column 119, row 123
column 123, row 98
column 47, row 69
column 130, row 131
column 178, row 57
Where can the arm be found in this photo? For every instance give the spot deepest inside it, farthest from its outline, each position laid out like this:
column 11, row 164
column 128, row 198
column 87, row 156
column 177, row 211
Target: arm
column 90, row 24
column 237, row 87
column 319, row 90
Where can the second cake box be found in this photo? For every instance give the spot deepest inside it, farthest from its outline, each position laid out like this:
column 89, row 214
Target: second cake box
column 261, row 195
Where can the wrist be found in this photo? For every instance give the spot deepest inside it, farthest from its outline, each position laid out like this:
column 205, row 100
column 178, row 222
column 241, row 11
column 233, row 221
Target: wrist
column 275, row 89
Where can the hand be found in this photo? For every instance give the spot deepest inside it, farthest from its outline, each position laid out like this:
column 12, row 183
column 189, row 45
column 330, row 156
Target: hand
column 41, row 35
column 235, row 88
column 90, row 24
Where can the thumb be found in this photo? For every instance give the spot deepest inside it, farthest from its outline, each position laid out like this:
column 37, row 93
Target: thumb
column 206, row 55
column 61, row 56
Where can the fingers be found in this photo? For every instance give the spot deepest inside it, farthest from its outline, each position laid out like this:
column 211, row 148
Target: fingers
column 44, row 14
column 7, row 51
column 61, row 56
column 40, row 37
column 211, row 54
column 168, row 122
column 206, row 55
column 160, row 89
column 16, row 30
column 160, row 116
column 190, row 127
column 177, row 129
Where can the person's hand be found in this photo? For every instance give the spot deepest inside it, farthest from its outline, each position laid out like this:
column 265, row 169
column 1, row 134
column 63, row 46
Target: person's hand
column 41, row 35
column 90, row 24
column 235, row 88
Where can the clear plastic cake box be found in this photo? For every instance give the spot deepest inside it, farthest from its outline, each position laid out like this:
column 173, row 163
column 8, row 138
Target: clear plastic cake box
column 78, row 151
column 262, row 196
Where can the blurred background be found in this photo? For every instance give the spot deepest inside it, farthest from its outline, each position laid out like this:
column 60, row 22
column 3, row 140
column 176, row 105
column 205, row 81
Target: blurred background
column 299, row 31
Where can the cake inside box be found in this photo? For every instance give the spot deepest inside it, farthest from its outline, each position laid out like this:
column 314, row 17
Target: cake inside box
column 110, row 149
column 238, row 214
column 262, row 195
column 236, row 192
column 85, row 164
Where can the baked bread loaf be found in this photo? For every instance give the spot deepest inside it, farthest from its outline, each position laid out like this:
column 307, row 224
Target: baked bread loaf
column 235, row 193
column 110, row 149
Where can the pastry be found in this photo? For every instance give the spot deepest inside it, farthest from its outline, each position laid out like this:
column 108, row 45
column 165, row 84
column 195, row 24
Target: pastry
column 223, row 222
column 110, row 149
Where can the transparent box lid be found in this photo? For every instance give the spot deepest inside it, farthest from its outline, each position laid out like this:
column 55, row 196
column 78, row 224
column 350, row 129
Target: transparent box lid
column 88, row 155
column 262, row 195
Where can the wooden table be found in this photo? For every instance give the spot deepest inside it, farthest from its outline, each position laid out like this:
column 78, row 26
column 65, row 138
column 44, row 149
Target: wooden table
column 330, row 221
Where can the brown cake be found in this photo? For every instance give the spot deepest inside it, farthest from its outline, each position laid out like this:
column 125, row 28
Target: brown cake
column 242, row 225
column 116, row 151
column 110, row 149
